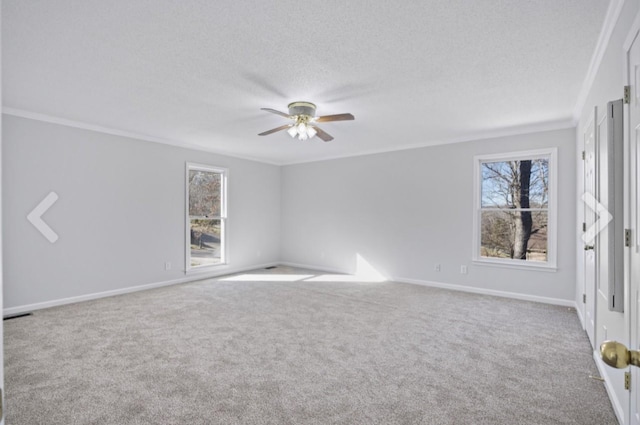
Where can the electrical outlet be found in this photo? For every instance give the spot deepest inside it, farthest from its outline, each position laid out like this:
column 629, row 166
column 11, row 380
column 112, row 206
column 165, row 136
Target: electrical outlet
column 463, row 269
column 167, row 265
column 437, row 267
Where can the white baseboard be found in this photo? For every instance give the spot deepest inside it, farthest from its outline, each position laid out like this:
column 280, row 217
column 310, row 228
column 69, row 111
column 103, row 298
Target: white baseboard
column 453, row 287
column 485, row 291
column 603, row 369
column 190, row 278
column 230, row 270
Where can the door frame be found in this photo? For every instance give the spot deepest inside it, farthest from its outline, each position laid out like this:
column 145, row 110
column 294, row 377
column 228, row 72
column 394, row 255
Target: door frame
column 631, row 211
column 589, row 305
column 3, row 413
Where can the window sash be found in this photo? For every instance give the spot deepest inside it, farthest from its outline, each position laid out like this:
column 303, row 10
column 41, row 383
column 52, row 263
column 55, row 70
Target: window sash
column 551, row 209
column 222, row 217
column 207, row 217
column 513, row 209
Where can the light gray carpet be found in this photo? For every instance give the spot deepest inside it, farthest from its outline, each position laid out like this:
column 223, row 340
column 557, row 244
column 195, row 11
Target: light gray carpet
column 278, row 352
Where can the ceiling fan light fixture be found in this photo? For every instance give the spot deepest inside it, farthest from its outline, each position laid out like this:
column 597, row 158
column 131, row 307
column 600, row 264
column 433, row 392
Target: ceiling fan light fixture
column 304, row 118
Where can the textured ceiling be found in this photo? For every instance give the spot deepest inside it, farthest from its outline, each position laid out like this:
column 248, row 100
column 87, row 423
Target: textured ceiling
column 197, row 72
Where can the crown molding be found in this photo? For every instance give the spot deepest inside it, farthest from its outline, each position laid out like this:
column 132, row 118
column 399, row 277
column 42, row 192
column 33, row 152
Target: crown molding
column 609, row 24
column 131, row 135
column 471, row 137
column 482, row 135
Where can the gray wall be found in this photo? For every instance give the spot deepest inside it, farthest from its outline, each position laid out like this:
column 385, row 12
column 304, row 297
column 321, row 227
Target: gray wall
column 406, row 211
column 120, row 214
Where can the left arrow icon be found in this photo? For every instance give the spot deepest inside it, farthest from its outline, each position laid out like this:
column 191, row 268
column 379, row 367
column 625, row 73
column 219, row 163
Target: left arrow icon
column 35, row 217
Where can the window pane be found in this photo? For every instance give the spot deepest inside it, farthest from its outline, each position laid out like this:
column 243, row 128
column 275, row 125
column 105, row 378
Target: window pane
column 539, row 183
column 518, row 235
column 204, row 193
column 205, row 242
column 515, row 184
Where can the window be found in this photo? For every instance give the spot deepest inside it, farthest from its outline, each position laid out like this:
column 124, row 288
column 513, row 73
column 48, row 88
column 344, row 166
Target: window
column 206, row 216
column 515, row 209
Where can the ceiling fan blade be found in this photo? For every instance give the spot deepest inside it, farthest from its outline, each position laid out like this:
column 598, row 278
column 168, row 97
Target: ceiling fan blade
column 273, row 111
column 323, row 134
column 273, row 130
column 337, row 117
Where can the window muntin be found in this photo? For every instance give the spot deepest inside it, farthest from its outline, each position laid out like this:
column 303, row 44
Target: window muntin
column 515, row 209
column 206, row 216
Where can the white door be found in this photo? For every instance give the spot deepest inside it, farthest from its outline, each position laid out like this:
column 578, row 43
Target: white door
column 1, row 299
column 633, row 129
column 589, row 138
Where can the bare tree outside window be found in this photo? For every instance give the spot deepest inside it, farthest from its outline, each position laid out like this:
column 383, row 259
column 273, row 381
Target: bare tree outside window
column 206, row 217
column 514, row 214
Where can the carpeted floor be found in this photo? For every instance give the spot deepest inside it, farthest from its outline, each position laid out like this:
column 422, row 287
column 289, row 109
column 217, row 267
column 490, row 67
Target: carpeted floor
column 279, row 350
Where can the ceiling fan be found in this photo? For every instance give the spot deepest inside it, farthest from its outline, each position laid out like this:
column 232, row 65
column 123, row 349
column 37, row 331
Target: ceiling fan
column 304, row 122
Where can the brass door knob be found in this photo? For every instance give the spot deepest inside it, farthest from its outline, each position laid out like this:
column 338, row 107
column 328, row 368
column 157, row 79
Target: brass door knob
column 588, row 247
column 617, row 355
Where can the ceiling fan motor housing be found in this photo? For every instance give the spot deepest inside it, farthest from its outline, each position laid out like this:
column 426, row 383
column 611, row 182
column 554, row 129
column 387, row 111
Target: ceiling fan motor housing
column 302, row 108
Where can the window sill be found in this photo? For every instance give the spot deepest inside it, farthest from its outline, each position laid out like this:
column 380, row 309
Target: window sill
column 206, row 269
column 510, row 265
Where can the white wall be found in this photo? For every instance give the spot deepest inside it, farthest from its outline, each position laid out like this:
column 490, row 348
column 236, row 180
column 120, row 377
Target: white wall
column 406, row 211
column 608, row 85
column 120, row 214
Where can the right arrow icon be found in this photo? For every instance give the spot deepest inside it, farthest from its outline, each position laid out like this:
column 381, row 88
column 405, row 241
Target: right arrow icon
column 35, row 217
column 604, row 217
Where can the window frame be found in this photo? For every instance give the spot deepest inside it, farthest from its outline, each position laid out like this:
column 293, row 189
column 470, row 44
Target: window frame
column 552, row 209
column 223, row 217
